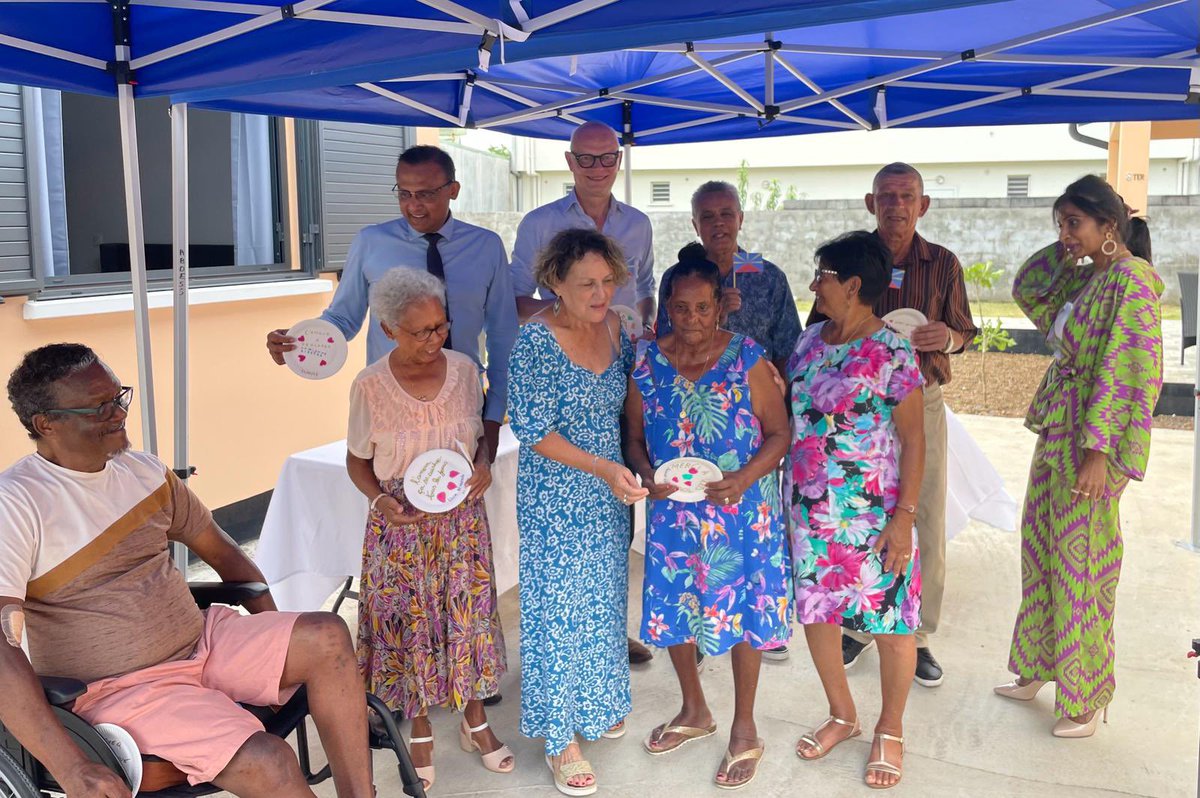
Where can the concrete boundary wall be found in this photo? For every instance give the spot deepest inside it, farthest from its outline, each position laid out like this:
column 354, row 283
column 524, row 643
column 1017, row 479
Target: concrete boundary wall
column 1002, row 230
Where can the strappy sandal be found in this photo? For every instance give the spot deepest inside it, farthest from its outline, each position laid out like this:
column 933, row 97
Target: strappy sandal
column 569, row 770
column 881, row 765
column 492, row 759
column 814, row 744
column 688, row 733
column 425, row 774
column 730, row 760
column 616, row 732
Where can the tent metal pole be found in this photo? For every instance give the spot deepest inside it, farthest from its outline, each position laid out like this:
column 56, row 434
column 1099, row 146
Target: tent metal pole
column 137, row 258
column 400, row 98
column 627, row 141
column 53, row 52
column 180, row 238
column 1194, row 544
column 816, row 89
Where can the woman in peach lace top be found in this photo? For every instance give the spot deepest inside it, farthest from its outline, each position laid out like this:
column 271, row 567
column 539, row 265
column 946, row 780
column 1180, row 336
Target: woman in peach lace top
column 428, row 627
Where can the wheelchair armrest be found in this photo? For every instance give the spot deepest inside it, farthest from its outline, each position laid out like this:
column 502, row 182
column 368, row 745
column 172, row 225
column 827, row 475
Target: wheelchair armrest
column 232, row 593
column 61, row 691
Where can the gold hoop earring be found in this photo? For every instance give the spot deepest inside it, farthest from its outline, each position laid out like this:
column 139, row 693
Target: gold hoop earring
column 1108, row 240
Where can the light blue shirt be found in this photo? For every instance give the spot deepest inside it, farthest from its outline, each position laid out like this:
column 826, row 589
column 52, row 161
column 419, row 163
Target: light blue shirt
column 625, row 224
column 477, row 289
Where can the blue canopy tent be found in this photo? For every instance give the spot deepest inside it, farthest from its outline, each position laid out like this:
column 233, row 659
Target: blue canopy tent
column 1011, row 62
column 143, row 48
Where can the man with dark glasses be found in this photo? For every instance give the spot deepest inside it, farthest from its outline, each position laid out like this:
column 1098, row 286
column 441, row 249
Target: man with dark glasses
column 594, row 159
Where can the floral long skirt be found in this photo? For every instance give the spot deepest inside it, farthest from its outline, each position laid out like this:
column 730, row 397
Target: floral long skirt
column 428, row 623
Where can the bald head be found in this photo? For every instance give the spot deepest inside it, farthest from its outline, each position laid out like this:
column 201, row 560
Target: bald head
column 594, row 133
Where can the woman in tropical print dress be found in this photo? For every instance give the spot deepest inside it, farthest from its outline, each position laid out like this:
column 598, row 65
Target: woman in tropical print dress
column 1092, row 414
column 717, row 575
column 854, row 475
column 428, row 622
column 569, row 371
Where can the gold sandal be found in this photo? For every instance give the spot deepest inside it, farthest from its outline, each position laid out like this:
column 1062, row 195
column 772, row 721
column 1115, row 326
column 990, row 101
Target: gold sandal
column 689, row 733
column 569, row 770
column 814, row 744
column 730, row 760
column 881, row 765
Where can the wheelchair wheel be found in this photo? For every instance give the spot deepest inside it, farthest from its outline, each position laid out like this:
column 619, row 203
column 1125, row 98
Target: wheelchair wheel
column 14, row 781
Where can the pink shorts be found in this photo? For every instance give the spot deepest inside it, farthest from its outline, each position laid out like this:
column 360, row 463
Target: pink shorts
column 186, row 711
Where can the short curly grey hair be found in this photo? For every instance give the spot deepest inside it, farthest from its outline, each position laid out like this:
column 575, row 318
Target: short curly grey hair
column 399, row 288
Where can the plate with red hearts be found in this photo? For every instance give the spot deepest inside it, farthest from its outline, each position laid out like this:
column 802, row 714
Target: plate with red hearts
column 630, row 321
column 436, row 481
column 689, row 476
column 320, row 349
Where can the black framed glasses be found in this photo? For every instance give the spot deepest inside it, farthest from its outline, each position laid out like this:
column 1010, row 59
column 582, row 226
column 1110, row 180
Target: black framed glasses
column 103, row 411
column 425, row 195
column 819, row 273
column 587, row 160
column 424, row 335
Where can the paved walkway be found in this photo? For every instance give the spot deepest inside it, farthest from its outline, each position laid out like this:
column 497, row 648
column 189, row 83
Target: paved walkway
column 962, row 740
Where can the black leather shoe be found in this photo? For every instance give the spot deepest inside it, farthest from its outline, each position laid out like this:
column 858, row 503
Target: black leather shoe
column 638, row 654
column 852, row 650
column 929, row 673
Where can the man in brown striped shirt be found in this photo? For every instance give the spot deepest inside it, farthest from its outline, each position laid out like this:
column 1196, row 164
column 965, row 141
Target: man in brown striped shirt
column 929, row 278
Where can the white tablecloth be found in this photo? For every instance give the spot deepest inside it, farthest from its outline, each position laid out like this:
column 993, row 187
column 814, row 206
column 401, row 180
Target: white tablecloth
column 312, row 535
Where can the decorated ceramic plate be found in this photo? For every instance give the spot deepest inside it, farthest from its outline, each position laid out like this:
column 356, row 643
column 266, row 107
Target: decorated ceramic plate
column 320, row 349
column 121, row 743
column 630, row 322
column 689, row 475
column 436, row 481
column 905, row 320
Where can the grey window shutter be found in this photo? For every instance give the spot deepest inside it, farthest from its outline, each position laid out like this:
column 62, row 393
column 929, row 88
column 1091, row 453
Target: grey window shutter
column 358, row 169
column 16, row 260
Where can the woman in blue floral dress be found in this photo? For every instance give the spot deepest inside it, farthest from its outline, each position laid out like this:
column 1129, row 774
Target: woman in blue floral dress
column 568, row 375
column 857, row 457
column 717, row 573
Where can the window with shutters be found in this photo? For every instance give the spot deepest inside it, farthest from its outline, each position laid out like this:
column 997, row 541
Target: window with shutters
column 1018, row 185
column 568, row 188
column 74, row 229
column 660, row 193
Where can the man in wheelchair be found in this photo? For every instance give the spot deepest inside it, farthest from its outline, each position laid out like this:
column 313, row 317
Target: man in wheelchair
column 87, row 582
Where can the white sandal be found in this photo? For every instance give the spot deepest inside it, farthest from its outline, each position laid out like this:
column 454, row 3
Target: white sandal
column 881, row 765
column 425, row 774
column 492, row 759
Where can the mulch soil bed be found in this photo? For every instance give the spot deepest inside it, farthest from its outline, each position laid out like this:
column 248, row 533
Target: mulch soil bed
column 1000, row 384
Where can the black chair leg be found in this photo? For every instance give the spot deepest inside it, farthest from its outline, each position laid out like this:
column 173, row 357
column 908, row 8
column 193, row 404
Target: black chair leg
column 412, row 784
column 346, row 593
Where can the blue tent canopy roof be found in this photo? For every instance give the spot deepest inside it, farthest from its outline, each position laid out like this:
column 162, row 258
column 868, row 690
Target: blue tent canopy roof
column 1011, row 62
column 201, row 45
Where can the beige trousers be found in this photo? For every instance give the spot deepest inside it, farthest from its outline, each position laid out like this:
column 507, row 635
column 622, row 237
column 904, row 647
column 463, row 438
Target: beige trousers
column 931, row 519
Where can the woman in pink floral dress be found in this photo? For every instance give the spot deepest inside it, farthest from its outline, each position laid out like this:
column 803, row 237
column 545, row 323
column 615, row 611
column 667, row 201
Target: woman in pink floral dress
column 428, row 626
column 854, row 475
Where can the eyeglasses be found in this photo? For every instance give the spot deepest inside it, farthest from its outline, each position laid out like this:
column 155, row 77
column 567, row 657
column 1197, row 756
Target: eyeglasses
column 587, row 160
column 425, row 195
column 103, row 411
column 818, row 273
column 442, row 330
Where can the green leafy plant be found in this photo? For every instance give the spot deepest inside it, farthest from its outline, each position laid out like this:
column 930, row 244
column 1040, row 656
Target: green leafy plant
column 983, row 277
column 743, row 182
column 774, row 192
column 500, row 150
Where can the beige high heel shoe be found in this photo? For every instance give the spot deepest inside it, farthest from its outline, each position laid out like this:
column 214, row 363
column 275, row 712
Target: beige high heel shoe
column 491, row 760
column 1018, row 691
column 1065, row 727
column 425, row 774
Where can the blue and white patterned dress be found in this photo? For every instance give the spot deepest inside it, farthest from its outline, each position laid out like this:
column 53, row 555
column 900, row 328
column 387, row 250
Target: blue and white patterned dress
column 574, row 540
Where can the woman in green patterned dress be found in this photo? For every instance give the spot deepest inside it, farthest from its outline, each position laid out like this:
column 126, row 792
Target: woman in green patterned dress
column 1092, row 414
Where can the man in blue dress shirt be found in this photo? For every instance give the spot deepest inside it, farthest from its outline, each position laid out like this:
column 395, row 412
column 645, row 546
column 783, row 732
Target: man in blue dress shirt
column 470, row 259
column 594, row 160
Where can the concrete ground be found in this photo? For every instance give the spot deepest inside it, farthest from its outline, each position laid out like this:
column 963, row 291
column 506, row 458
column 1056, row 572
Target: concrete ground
column 962, row 740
